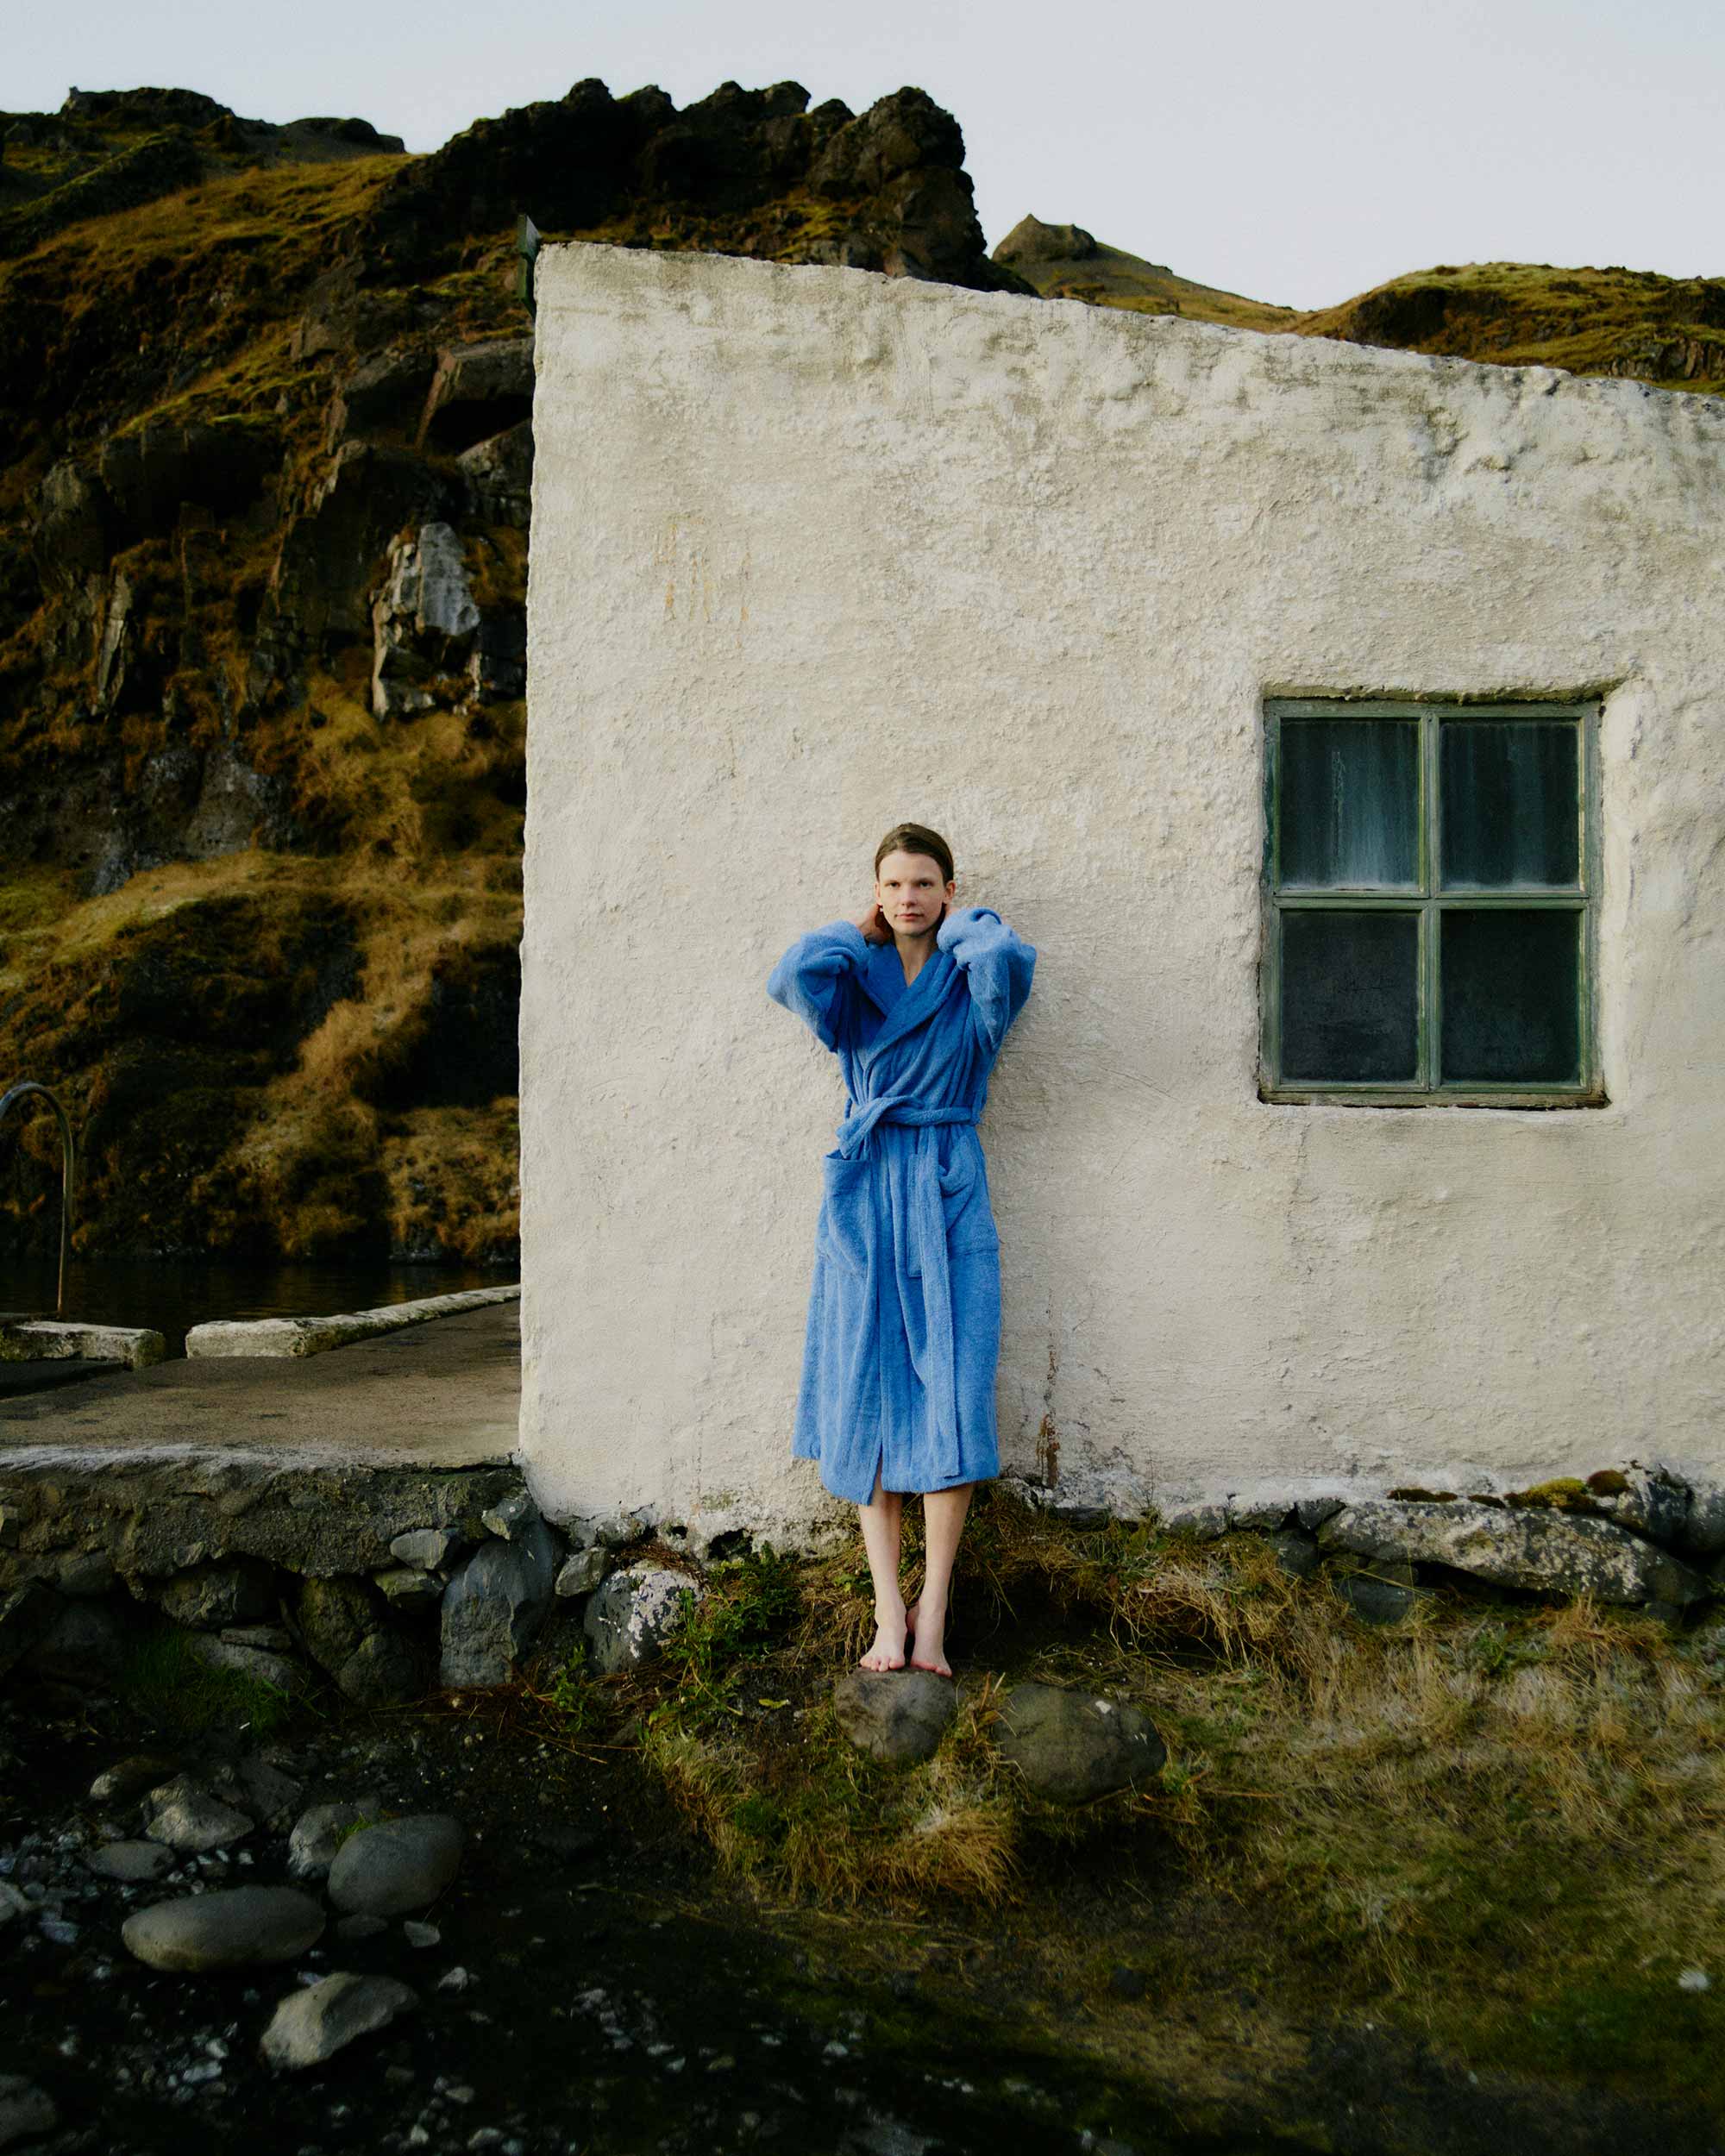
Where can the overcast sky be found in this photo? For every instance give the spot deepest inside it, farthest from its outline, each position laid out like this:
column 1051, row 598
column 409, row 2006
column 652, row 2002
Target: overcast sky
column 1293, row 150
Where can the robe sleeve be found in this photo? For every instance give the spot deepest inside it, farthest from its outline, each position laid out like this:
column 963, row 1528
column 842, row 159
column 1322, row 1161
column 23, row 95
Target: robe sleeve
column 997, row 965
column 814, row 976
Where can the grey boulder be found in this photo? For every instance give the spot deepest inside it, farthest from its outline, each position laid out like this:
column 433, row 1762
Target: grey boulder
column 319, row 1834
column 513, row 1517
column 1073, row 1747
column 628, row 1618
column 87, row 1643
column 383, row 1670
column 25, row 2110
column 232, row 1927
column 1547, row 1552
column 129, row 1777
column 896, row 1716
column 212, row 1595
column 258, row 1663
column 583, row 1571
column 392, row 1870
column 495, row 1605
column 425, row 1549
column 313, row 2025
column 1379, row 1592
column 187, row 1817
column 132, row 1862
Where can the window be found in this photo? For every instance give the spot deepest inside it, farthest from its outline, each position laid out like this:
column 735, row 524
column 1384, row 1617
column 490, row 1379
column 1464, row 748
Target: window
column 1429, row 888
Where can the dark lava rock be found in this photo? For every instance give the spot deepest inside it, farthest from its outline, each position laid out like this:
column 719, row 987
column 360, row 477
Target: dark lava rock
column 1072, row 1746
column 1382, row 1595
column 495, row 1605
column 897, row 1716
column 313, row 2025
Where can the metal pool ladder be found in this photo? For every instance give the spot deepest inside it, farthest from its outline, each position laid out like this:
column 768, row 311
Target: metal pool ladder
column 9, row 1099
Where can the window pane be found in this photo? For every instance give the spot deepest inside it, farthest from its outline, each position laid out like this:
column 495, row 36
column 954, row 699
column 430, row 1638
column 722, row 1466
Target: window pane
column 1350, row 806
column 1349, row 996
column 1511, row 1006
column 1508, row 801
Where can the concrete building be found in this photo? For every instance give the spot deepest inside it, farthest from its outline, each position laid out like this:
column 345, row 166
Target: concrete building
column 1346, row 728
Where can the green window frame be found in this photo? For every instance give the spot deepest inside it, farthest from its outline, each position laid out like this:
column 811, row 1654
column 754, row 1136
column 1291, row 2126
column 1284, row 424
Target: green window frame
column 1430, row 875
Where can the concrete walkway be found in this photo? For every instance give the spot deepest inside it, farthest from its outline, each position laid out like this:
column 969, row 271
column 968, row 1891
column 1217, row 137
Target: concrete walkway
column 444, row 1394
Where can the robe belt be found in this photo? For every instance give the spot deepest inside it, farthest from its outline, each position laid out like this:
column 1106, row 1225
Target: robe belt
column 927, row 1219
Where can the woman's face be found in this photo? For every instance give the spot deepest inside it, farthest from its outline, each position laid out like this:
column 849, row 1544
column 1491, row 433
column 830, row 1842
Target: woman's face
column 910, row 893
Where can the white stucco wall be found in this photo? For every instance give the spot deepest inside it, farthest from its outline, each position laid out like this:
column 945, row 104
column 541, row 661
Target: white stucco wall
column 814, row 551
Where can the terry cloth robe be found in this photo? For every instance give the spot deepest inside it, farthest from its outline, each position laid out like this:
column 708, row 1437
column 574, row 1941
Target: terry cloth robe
column 904, row 1319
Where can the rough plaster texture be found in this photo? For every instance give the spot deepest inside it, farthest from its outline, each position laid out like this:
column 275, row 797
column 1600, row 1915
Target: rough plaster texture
column 815, row 550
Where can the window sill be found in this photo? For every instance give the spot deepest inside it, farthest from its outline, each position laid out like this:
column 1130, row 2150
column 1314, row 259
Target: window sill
column 1379, row 1096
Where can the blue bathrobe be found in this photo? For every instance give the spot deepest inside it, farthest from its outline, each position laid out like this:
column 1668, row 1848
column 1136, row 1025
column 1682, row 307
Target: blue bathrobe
column 904, row 1317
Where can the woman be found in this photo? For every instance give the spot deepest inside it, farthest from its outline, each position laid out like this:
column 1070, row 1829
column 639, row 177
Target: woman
column 904, row 1318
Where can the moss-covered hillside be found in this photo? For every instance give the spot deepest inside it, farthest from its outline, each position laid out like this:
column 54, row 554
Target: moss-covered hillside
column 264, row 398
column 1635, row 322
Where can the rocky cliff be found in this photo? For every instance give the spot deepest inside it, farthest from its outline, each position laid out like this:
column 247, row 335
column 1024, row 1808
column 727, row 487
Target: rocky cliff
column 263, row 540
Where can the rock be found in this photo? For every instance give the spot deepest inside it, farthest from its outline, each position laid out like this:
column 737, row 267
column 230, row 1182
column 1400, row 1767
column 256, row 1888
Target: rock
column 583, row 1571
column 90, row 1572
column 384, row 394
column 499, row 477
column 352, row 1929
column 231, row 1928
column 1704, row 1526
column 1202, row 1523
column 1650, row 1501
column 1383, row 1594
column 477, row 390
column 427, row 1548
column 318, row 1833
column 25, row 1616
column 896, row 1716
column 400, row 1867
column 1260, row 1516
column 1549, row 1551
column 511, row 1517
column 494, row 1606
column 13, row 1903
column 187, row 1817
column 87, row 1643
column 313, row 2025
column 325, row 571
column 26, row 2111
column 131, row 1777
column 131, row 1861
column 1312, row 1512
column 628, row 1618
column 1072, row 1746
column 1031, row 241
column 271, row 1794
column 383, row 1670
column 403, row 1587
column 421, row 1935
column 1296, row 1551
column 335, row 1615
column 212, row 1596
column 896, row 136
column 258, row 1663
column 423, row 617
column 274, row 1638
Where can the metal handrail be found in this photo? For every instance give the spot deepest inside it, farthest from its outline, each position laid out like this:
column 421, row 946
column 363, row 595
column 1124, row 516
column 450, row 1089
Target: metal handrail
column 12, row 1094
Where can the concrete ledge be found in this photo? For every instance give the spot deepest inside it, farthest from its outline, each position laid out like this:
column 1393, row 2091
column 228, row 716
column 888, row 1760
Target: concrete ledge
column 44, row 1339
column 312, row 1336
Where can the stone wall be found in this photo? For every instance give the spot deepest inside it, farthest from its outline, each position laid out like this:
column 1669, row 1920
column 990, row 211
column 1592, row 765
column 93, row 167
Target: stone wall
column 814, row 551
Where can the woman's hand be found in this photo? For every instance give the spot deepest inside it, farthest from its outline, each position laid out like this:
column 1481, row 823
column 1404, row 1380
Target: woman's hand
column 873, row 925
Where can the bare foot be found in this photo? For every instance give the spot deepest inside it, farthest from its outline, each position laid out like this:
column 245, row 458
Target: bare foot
column 931, row 1644
column 889, row 1650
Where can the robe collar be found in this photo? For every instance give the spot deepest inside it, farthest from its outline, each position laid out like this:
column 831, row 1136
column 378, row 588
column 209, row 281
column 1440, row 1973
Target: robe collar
column 905, row 1008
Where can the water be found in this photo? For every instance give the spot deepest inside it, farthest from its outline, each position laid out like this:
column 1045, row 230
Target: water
column 171, row 1295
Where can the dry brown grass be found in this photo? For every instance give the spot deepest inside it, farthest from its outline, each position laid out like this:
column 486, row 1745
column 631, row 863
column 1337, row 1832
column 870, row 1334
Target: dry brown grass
column 1501, row 1819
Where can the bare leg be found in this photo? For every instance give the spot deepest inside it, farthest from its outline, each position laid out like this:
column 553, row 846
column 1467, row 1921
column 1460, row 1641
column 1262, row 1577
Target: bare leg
column 943, row 1513
column 880, row 1519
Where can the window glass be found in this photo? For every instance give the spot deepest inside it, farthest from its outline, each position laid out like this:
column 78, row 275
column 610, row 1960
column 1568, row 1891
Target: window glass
column 1350, row 996
column 1509, row 794
column 1350, row 804
column 1510, row 995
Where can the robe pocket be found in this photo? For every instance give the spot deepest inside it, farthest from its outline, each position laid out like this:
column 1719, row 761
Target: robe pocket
column 968, row 1218
column 846, row 1210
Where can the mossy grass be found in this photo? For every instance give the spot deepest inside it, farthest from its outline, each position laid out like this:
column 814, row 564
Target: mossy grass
column 163, row 1680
